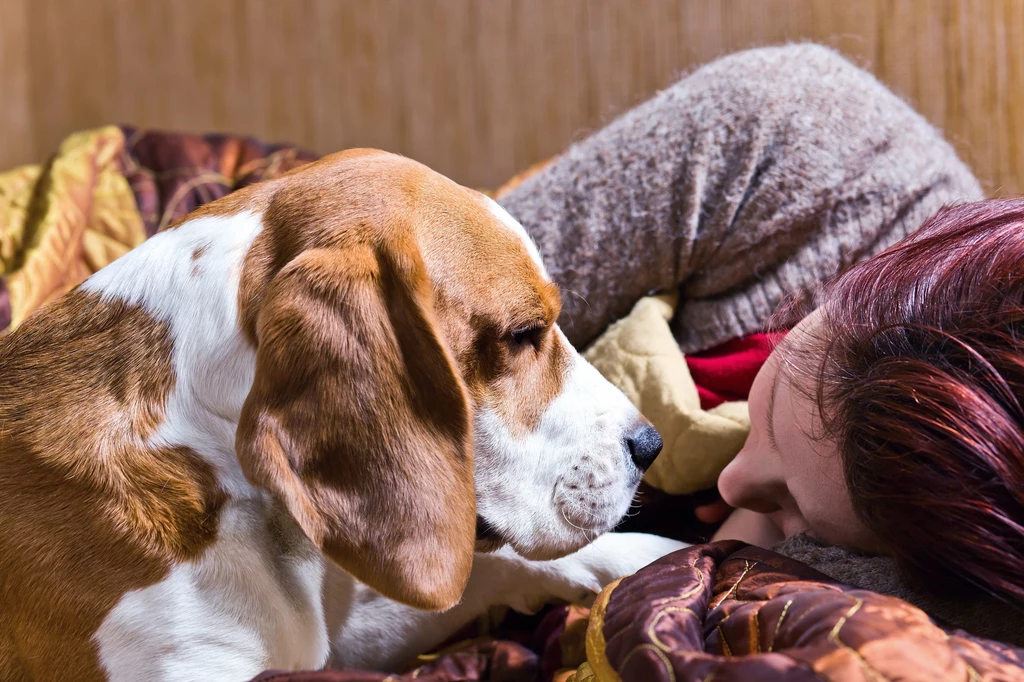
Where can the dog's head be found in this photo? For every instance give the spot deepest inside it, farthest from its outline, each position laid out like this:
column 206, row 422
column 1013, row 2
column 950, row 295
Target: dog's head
column 414, row 400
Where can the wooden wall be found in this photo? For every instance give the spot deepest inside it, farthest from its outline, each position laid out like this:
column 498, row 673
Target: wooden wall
column 476, row 88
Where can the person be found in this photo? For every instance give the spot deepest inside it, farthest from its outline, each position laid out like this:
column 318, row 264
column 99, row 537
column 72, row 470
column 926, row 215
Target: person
column 891, row 419
column 887, row 423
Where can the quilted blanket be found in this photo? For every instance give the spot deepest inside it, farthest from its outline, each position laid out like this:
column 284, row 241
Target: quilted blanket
column 723, row 611
column 728, row 611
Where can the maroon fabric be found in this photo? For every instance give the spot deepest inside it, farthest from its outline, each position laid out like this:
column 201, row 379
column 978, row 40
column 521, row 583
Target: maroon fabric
column 483, row 659
column 173, row 173
column 5, row 306
column 547, row 638
column 727, row 371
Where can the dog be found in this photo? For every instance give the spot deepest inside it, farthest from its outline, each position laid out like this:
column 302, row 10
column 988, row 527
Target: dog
column 327, row 417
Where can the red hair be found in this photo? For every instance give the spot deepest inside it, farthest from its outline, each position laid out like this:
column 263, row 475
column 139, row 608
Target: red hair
column 921, row 385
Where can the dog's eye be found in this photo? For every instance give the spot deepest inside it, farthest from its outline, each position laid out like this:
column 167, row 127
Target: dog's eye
column 526, row 336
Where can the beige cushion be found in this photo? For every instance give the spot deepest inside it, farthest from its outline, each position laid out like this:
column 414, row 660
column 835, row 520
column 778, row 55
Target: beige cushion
column 640, row 356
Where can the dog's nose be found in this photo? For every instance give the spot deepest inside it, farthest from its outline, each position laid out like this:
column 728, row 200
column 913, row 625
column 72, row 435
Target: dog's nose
column 644, row 444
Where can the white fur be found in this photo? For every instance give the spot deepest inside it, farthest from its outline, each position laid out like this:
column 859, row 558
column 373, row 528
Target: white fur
column 552, row 490
column 254, row 600
column 246, row 605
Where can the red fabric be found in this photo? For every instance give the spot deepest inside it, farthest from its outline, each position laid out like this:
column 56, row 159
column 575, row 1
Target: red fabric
column 726, row 372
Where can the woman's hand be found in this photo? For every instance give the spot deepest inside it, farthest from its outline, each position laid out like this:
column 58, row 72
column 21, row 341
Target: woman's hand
column 715, row 512
column 740, row 524
column 748, row 526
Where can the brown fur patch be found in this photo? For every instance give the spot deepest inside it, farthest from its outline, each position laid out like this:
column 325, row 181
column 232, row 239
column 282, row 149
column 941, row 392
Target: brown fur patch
column 198, row 253
column 518, row 382
column 87, row 510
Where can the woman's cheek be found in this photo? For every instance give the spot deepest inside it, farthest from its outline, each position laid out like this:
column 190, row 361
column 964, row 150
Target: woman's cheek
column 790, row 522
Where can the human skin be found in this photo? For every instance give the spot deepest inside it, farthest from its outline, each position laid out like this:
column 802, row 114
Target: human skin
column 788, row 478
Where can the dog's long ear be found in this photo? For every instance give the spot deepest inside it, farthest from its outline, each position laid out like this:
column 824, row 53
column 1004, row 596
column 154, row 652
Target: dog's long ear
column 358, row 422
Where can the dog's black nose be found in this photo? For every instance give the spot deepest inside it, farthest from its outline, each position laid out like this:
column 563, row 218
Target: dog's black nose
column 644, row 444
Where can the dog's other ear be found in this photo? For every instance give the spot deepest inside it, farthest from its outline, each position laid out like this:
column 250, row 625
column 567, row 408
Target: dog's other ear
column 358, row 422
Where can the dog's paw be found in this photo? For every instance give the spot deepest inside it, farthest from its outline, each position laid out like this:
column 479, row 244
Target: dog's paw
column 614, row 555
column 577, row 578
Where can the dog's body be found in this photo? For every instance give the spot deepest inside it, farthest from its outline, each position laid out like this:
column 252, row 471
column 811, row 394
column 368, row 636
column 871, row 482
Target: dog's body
column 351, row 372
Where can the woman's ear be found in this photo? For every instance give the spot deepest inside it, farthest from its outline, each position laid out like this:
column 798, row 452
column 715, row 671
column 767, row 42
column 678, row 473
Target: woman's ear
column 359, row 423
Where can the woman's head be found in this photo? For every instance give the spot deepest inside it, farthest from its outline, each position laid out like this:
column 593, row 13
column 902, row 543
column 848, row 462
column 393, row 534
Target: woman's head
column 898, row 407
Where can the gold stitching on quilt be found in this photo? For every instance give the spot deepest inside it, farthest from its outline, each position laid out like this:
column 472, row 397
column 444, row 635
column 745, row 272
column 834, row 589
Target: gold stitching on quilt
column 778, row 625
column 834, row 637
column 611, row 639
column 657, row 618
column 795, row 621
column 661, row 656
column 755, row 635
column 726, row 649
column 747, row 566
column 184, row 189
column 688, row 593
column 668, row 600
column 186, row 171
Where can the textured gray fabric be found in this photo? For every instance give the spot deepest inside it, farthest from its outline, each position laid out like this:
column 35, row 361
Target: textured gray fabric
column 762, row 173
column 982, row 616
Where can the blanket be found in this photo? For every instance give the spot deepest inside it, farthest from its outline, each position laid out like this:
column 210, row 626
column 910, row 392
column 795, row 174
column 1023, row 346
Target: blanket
column 63, row 220
column 722, row 611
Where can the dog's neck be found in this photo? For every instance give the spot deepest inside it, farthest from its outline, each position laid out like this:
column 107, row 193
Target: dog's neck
column 188, row 278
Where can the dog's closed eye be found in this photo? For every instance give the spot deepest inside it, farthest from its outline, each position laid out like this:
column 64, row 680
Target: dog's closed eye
column 524, row 336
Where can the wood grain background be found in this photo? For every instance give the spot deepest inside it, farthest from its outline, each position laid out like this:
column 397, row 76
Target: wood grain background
column 478, row 89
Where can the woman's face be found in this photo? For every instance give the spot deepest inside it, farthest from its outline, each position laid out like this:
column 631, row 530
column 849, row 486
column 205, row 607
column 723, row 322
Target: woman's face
column 783, row 470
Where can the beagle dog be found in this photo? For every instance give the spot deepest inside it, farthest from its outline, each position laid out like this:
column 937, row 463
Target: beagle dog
column 329, row 417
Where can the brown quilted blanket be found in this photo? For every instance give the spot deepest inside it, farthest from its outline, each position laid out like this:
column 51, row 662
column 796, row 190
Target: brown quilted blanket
column 729, row 612
column 718, row 612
